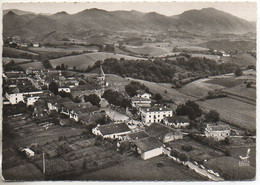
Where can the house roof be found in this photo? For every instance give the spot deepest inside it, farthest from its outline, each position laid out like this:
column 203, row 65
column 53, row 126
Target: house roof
column 138, row 135
column 148, row 143
column 156, row 109
column 85, row 87
column 158, row 130
column 141, row 92
column 114, row 128
column 217, row 127
column 136, row 98
column 177, row 119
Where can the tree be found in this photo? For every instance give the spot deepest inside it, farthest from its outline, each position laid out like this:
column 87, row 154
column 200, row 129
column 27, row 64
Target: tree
column 174, row 153
column 158, row 97
column 81, row 82
column 212, row 116
column 58, row 67
column 190, row 109
column 130, row 90
column 53, row 87
column 183, row 157
column 238, row 72
column 93, row 99
column 248, row 85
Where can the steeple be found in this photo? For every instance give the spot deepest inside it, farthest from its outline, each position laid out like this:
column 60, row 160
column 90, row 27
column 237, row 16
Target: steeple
column 102, row 71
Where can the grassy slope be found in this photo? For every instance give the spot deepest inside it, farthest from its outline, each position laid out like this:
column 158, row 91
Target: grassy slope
column 85, row 60
column 16, row 53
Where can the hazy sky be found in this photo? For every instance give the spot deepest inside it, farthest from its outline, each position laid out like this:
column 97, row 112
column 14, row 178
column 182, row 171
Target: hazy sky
column 245, row 10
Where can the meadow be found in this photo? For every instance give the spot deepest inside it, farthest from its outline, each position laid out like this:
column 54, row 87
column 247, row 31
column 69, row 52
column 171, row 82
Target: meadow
column 83, row 61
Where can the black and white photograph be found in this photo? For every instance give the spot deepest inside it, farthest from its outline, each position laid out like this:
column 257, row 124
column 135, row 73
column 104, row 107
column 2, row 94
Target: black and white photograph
column 129, row 91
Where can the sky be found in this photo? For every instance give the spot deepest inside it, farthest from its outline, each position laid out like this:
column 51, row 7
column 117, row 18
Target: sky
column 245, row 10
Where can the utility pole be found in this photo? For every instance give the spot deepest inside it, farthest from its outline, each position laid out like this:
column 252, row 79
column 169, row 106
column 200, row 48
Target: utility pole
column 43, row 163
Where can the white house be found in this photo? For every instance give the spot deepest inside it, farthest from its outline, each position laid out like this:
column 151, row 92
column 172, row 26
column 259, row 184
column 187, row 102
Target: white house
column 28, row 152
column 31, row 99
column 16, row 95
column 143, row 94
column 65, row 89
column 154, row 114
column 149, row 147
column 177, row 121
column 113, row 130
column 141, row 102
column 217, row 131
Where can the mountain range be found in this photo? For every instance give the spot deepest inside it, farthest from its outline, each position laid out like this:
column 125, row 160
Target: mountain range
column 207, row 20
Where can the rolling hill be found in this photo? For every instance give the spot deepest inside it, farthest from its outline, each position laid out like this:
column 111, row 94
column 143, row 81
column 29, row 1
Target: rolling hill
column 207, row 20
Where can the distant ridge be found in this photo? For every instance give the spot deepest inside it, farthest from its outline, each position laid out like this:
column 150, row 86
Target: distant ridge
column 206, row 20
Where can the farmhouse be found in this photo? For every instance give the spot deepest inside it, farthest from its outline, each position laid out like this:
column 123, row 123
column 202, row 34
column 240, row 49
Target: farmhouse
column 64, row 89
column 28, row 152
column 163, row 133
column 149, row 147
column 217, row 131
column 154, row 114
column 141, row 102
column 177, row 121
column 113, row 131
column 143, row 94
column 21, row 93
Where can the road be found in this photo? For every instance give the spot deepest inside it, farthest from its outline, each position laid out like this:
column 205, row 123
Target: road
column 195, row 168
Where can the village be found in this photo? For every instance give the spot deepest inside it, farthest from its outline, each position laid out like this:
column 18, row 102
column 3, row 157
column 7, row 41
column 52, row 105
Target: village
column 119, row 94
column 63, row 125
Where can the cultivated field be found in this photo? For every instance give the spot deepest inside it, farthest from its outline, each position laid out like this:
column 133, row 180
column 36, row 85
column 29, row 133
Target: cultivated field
column 151, row 49
column 6, row 60
column 244, row 59
column 17, row 53
column 83, row 61
column 34, row 65
column 65, row 49
column 138, row 169
column 233, row 111
column 212, row 57
column 166, row 91
column 198, row 153
column 230, row 167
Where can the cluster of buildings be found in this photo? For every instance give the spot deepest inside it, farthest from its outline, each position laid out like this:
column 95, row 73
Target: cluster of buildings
column 20, row 88
column 147, row 142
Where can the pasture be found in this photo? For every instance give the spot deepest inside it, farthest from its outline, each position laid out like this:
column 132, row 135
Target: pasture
column 6, row 60
column 34, row 65
column 212, row 57
column 83, row 61
column 233, row 111
column 17, row 53
column 151, row 49
column 166, row 91
column 230, row 167
column 138, row 169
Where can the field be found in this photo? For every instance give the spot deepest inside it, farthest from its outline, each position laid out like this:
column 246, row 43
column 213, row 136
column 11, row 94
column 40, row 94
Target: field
column 151, row 49
column 228, row 45
column 6, row 60
column 212, row 57
column 17, row 53
column 233, row 111
column 34, row 65
column 198, row 153
column 26, row 172
column 166, row 91
column 199, row 88
column 84, row 60
column 244, row 59
column 65, row 49
column 230, row 167
column 138, row 169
